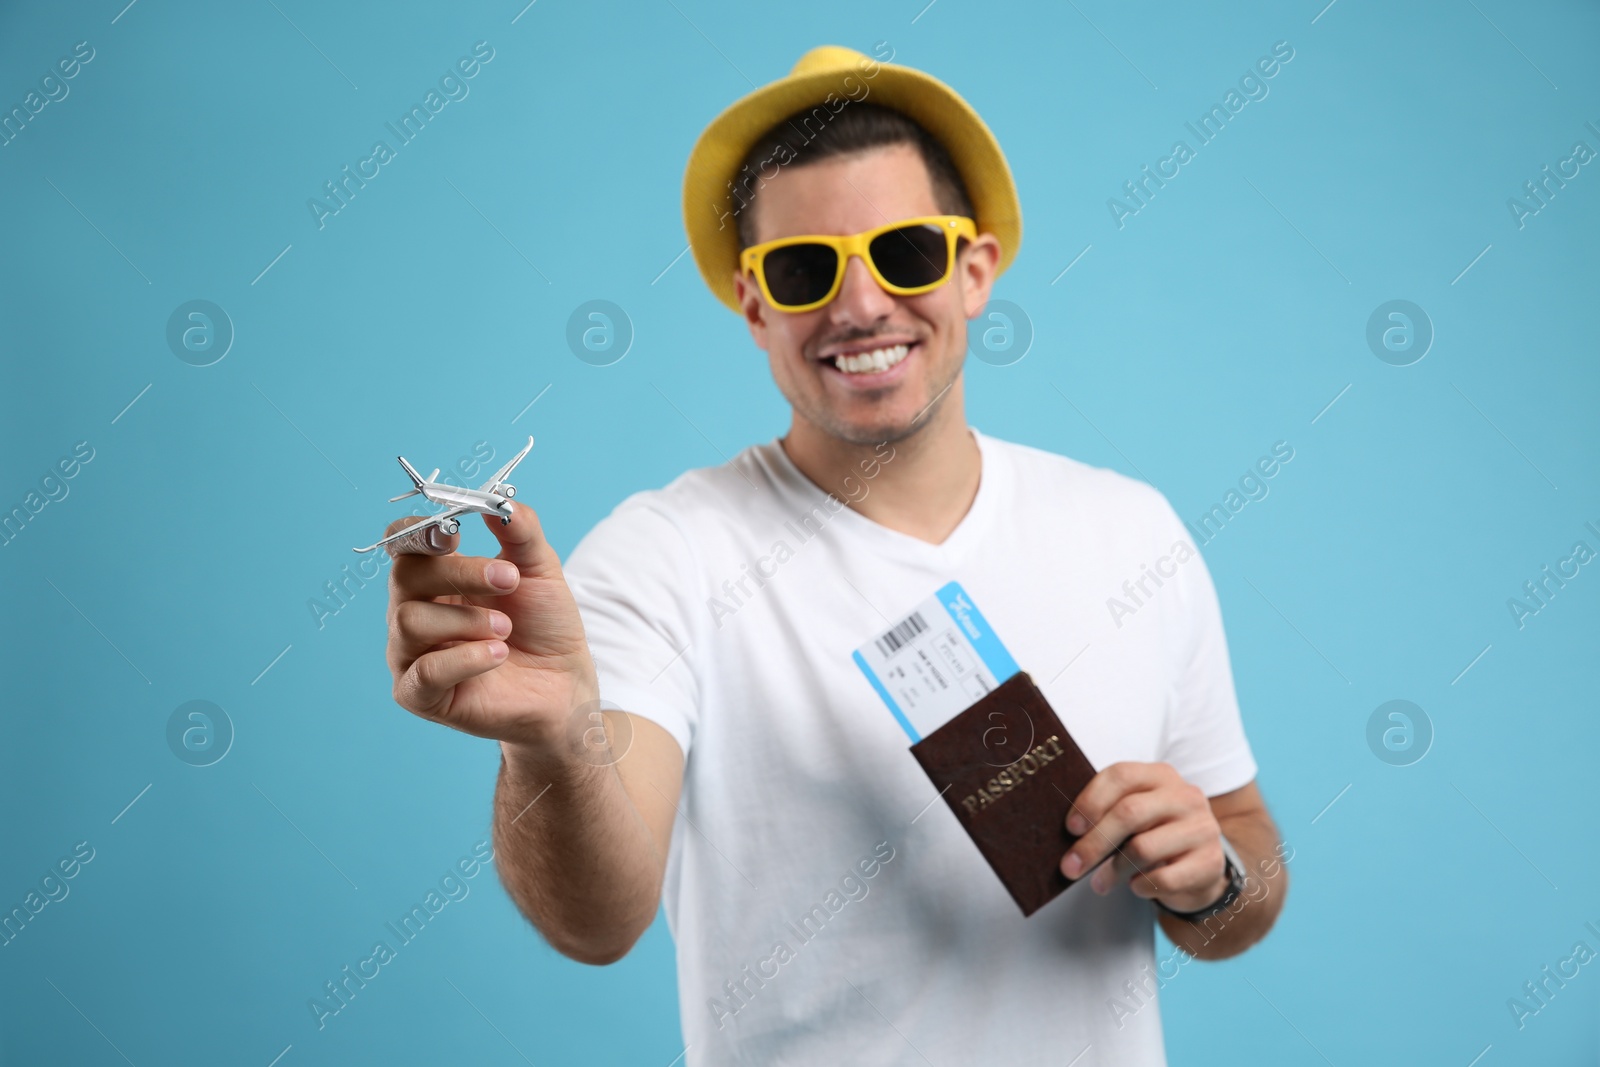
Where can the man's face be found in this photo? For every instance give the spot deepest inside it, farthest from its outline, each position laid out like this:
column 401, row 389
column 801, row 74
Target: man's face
column 846, row 195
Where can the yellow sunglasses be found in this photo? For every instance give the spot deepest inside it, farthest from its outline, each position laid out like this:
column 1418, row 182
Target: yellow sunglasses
column 907, row 257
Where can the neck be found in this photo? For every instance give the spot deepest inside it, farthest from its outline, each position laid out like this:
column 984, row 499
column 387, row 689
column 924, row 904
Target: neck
column 921, row 485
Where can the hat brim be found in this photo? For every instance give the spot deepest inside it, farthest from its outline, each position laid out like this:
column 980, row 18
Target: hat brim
column 710, row 209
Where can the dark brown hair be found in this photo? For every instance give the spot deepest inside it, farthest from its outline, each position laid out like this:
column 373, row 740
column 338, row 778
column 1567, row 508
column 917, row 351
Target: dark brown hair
column 819, row 133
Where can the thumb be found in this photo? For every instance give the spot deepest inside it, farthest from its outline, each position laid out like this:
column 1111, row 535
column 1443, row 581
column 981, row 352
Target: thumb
column 522, row 543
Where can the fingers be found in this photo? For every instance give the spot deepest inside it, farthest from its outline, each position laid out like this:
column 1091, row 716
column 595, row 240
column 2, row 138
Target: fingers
column 425, row 686
column 1114, row 871
column 1170, row 841
column 1146, row 860
column 429, row 542
column 1110, row 786
column 418, row 577
column 419, row 625
column 1131, row 815
column 522, row 542
column 1191, row 881
column 1122, row 801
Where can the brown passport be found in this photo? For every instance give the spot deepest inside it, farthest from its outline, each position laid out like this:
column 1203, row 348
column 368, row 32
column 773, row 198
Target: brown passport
column 1010, row 771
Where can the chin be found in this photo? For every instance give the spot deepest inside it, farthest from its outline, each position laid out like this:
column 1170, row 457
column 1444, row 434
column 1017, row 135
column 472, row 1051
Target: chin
column 872, row 430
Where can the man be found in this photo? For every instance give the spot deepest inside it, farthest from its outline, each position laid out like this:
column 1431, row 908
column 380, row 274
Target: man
column 826, row 908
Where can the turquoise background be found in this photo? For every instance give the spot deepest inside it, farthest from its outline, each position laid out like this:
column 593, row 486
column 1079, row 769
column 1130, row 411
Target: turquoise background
column 425, row 316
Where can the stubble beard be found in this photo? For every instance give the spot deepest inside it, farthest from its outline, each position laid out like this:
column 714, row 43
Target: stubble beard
column 824, row 419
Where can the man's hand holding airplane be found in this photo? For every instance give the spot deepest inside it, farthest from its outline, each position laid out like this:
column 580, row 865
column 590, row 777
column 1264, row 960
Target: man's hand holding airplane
column 491, row 647
column 496, row 648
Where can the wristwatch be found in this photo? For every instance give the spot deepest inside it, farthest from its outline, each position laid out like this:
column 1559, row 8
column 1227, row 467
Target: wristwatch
column 1234, row 868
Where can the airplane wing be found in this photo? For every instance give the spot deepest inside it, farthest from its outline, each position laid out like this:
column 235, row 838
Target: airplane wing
column 432, row 520
column 505, row 472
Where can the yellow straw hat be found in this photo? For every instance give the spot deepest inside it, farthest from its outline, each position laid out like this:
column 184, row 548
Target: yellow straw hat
column 828, row 79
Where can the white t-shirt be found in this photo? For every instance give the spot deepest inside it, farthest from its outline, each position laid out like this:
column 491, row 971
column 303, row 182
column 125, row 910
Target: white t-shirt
column 826, row 905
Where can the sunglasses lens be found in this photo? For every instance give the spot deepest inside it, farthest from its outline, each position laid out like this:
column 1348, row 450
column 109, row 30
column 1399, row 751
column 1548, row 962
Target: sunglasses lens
column 911, row 256
column 800, row 274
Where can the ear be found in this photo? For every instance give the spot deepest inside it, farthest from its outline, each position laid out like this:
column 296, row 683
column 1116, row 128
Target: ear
column 752, row 306
column 976, row 266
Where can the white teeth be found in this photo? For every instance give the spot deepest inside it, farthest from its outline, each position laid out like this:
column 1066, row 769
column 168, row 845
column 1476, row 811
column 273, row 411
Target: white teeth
column 879, row 359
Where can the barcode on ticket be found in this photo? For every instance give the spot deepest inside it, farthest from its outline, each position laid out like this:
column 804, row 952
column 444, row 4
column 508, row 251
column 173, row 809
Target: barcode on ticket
column 896, row 639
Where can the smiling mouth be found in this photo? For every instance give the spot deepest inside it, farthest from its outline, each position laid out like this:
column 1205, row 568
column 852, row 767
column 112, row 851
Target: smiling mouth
column 869, row 361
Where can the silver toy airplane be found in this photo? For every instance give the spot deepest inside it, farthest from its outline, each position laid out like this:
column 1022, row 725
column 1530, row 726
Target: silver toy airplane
column 493, row 497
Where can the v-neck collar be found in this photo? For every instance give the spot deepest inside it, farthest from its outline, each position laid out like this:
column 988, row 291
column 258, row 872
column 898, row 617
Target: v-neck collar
column 993, row 484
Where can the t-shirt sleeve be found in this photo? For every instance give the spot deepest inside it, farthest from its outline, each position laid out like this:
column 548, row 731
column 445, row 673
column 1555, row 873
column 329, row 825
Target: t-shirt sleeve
column 1204, row 737
column 634, row 578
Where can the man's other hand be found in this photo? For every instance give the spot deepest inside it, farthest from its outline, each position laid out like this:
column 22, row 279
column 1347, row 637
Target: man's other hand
column 1158, row 831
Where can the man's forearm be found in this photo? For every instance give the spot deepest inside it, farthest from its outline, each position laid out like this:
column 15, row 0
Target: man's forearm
column 574, row 853
column 1247, row 919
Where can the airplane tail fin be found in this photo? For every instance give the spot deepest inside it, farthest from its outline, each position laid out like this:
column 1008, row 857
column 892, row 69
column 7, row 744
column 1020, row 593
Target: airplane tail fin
column 416, row 480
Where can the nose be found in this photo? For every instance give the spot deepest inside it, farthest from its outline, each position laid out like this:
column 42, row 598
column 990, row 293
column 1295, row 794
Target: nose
column 861, row 300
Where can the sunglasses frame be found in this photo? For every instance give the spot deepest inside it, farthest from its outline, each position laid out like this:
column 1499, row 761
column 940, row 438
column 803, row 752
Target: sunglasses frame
column 857, row 245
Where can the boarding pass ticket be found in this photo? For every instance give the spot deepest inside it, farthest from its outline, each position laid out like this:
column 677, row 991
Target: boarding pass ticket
column 936, row 662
